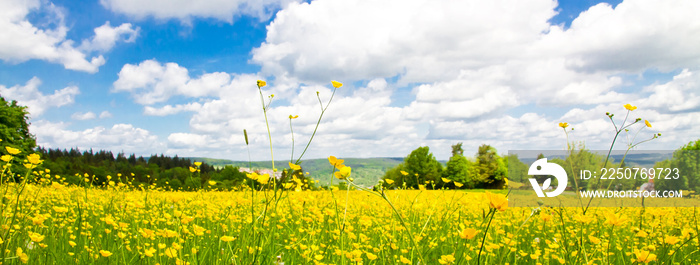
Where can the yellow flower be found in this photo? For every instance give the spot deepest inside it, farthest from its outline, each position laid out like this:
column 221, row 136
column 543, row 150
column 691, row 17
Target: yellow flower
column 343, row 173
column 594, row 239
column 287, row 185
column 644, row 256
column 563, row 125
column 105, row 253
column 71, row 243
column 6, row 158
column 34, row 159
column 193, row 169
column 446, row 180
column 446, row 259
column 36, row 237
column 630, row 107
column 389, row 181
column 171, row 252
column 405, row 260
column 671, row 240
column 458, row 185
column 336, row 84
column 293, row 117
column 294, row 166
column 261, row 83
column 468, row 233
column 404, row 173
column 11, row 150
column 647, row 123
column 616, row 219
column 371, row 256
column 23, row 257
column 149, row 252
column 211, row 182
column 337, row 163
column 497, row 201
column 227, row 238
column 264, row 179
column 197, row 163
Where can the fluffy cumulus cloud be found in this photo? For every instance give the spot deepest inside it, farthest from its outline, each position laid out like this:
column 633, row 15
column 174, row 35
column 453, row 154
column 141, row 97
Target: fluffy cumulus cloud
column 120, row 137
column 478, row 72
column 152, row 82
column 36, row 101
column 83, row 116
column 187, row 10
column 20, row 40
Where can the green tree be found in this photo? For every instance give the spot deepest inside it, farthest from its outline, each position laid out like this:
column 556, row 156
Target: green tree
column 461, row 170
column 14, row 127
column 492, row 169
column 421, row 166
column 687, row 161
column 517, row 170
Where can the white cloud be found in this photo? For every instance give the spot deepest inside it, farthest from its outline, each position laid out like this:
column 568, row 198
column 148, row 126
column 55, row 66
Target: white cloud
column 170, row 109
column 105, row 114
column 151, row 82
column 187, row 10
column 20, row 40
column 120, row 137
column 107, row 36
column 682, row 94
column 422, row 41
column 83, row 116
column 632, row 37
column 36, row 101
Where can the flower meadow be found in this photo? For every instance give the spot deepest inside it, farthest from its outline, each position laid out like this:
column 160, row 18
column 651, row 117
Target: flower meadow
column 280, row 221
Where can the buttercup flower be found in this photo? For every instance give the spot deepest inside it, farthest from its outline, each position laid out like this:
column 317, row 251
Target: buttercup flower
column 336, row 84
column 446, row 180
column 563, row 125
column 105, row 253
column 293, row 117
column 261, row 83
column 468, row 233
column 647, row 123
column 337, row 163
column 389, row 181
column 497, row 201
column 630, row 107
column 343, row 173
column 294, row 166
column 12, row 150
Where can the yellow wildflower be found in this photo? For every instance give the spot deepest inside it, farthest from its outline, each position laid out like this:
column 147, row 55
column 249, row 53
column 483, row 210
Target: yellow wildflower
column 293, row 117
column 343, row 173
column 198, row 164
column 105, row 253
column 212, row 183
column 468, row 233
column 336, row 84
column 227, row 238
column 644, row 256
column 497, row 201
column 389, row 181
column 446, row 180
column 261, row 83
column 12, row 150
column 563, row 125
column 630, row 107
column 404, row 173
column 34, row 159
column 457, row 184
column 23, row 257
column 294, row 166
column 337, row 163
column 647, row 123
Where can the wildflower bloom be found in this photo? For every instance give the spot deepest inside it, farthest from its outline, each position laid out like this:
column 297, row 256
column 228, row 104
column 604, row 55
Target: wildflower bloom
column 389, row 181
column 630, row 107
column 227, row 238
column 446, row 259
column 23, row 257
column 293, row 117
column 337, row 163
column 12, row 150
column 105, row 253
column 336, row 84
column 294, row 166
column 458, row 185
column 644, row 256
column 468, row 233
column 497, row 201
column 34, row 159
column 616, row 219
column 6, row 158
column 211, row 182
column 563, row 125
column 343, row 173
column 404, row 173
column 197, row 163
column 647, row 123
column 261, row 83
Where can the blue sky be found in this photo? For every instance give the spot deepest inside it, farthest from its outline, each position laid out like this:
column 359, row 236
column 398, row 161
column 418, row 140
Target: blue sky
column 179, row 78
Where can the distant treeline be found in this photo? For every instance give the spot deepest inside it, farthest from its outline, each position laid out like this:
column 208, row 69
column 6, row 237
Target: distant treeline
column 164, row 171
